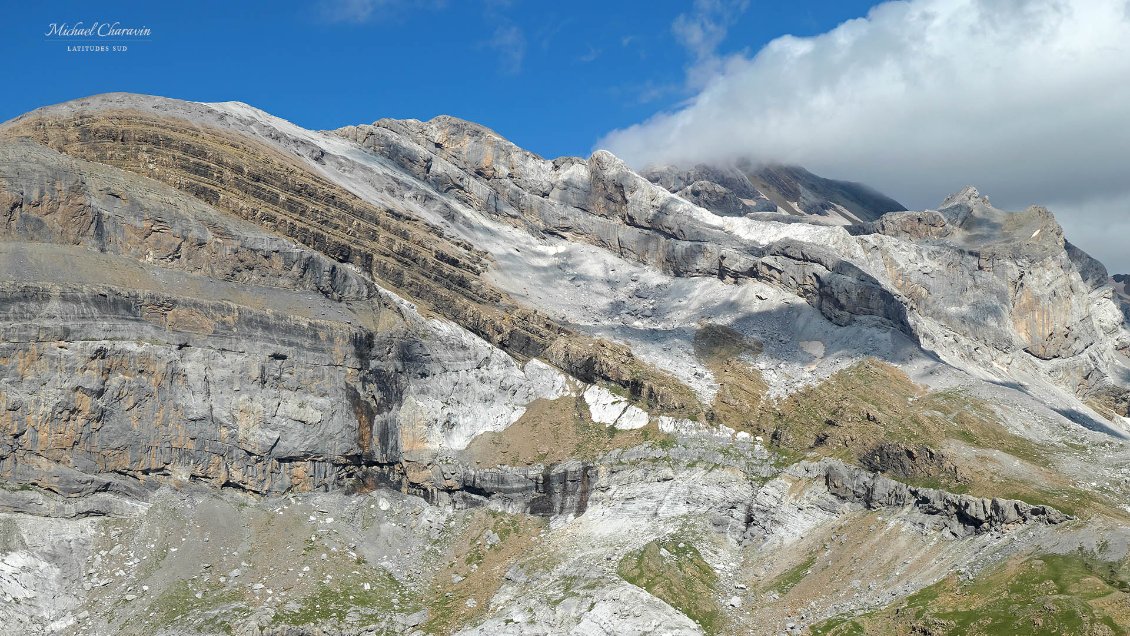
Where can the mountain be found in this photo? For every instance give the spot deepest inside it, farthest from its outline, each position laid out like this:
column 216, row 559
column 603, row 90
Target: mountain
column 770, row 190
column 407, row 377
column 1121, row 285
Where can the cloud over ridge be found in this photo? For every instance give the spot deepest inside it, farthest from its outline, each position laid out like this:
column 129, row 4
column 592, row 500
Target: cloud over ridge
column 1028, row 99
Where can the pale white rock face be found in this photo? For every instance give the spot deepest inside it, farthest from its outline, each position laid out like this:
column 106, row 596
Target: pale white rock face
column 632, row 418
column 545, row 381
column 789, row 513
column 629, row 610
column 471, row 388
column 608, row 408
column 611, row 611
column 760, row 232
column 604, row 406
column 39, row 568
column 679, row 426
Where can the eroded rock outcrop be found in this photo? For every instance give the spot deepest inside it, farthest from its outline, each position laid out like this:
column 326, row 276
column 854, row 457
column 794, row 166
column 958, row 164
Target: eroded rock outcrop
column 547, row 491
column 602, row 202
column 239, row 174
column 1014, row 292
column 144, row 334
column 961, row 515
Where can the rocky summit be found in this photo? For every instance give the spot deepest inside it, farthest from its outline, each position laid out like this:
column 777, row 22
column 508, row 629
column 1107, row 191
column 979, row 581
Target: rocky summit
column 409, row 378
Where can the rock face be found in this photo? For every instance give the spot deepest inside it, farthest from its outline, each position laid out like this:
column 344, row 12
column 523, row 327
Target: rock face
column 961, row 515
column 906, row 462
column 203, row 304
column 117, row 365
column 1015, row 266
column 1121, row 283
column 547, row 491
column 147, row 334
column 1024, row 287
column 785, row 190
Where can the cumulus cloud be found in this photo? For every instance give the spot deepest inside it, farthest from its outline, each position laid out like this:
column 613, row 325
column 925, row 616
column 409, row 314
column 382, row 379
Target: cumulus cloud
column 1027, row 99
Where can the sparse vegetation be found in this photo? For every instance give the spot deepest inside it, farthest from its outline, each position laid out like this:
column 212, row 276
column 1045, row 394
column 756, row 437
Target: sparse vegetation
column 1052, row 594
column 331, row 603
column 673, row 570
column 741, row 389
column 788, row 579
column 216, row 609
column 483, row 551
column 873, row 404
column 554, row 431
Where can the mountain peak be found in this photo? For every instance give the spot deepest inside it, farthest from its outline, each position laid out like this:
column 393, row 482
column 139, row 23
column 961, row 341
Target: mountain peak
column 742, row 188
column 969, row 196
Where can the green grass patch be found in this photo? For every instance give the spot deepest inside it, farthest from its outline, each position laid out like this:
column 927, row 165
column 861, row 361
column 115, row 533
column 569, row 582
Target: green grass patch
column 216, row 610
column 838, row 627
column 1047, row 595
column 788, row 579
column 674, row 571
column 329, row 603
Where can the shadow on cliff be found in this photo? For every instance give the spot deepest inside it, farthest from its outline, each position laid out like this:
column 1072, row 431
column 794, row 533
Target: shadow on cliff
column 1090, row 423
column 780, row 330
column 1074, row 415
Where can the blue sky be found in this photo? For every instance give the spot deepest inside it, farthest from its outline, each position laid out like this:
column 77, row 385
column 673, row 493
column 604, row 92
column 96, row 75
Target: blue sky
column 553, row 77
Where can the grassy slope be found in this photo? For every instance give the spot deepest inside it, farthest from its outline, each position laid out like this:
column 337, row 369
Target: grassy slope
column 874, row 404
column 554, row 431
column 482, row 550
column 1071, row 594
column 673, row 570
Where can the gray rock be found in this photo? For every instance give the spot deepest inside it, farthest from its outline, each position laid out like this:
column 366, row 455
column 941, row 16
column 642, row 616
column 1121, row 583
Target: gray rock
column 963, row 515
column 181, row 334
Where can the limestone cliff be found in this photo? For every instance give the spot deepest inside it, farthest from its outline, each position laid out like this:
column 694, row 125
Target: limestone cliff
column 461, row 387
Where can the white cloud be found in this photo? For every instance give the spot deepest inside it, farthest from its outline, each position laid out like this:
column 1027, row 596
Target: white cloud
column 509, row 42
column 1027, row 99
column 702, row 30
column 356, row 11
column 589, row 56
column 362, row 11
column 349, row 10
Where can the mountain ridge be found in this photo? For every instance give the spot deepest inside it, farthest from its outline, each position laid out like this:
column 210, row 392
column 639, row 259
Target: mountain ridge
column 461, row 377
column 792, row 191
